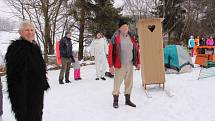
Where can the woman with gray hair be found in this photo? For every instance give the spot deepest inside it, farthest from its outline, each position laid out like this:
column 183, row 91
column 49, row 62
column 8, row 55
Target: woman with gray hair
column 26, row 75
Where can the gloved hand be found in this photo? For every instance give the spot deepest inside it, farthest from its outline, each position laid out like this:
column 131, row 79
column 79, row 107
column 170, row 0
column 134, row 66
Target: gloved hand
column 72, row 59
column 138, row 67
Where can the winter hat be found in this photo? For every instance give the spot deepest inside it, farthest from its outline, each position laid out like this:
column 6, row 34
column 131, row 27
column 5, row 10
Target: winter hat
column 97, row 32
column 67, row 32
column 122, row 22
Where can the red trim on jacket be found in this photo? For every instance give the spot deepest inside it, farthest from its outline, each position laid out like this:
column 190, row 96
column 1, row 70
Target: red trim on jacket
column 114, row 54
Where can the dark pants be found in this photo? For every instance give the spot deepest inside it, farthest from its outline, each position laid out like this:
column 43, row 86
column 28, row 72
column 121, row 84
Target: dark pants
column 65, row 68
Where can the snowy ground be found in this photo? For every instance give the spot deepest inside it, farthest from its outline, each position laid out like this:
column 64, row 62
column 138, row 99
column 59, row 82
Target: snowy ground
column 6, row 38
column 91, row 100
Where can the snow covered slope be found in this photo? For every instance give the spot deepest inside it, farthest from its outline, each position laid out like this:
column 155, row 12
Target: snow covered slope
column 91, row 100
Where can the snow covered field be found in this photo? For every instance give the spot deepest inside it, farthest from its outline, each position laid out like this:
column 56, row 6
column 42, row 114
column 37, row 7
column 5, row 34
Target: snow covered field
column 91, row 100
column 6, row 38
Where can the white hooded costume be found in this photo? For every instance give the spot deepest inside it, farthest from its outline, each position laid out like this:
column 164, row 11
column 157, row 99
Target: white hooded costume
column 99, row 51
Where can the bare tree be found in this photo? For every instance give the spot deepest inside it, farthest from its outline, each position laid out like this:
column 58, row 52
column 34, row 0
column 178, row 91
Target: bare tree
column 48, row 17
column 136, row 8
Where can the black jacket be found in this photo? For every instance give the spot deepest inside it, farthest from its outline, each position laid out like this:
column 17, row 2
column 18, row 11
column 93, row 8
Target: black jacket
column 26, row 80
column 66, row 48
column 202, row 42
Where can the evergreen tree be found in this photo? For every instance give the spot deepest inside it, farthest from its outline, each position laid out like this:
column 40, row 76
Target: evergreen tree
column 82, row 14
column 92, row 16
column 174, row 14
column 105, row 17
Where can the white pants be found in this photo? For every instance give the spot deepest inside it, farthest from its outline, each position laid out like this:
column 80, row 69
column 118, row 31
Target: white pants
column 101, row 66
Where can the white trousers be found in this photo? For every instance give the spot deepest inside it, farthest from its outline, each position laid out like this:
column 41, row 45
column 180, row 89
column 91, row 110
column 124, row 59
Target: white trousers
column 101, row 66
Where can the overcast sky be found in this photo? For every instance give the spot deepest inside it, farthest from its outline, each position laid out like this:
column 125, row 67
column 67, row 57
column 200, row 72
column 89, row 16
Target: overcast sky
column 118, row 3
column 5, row 11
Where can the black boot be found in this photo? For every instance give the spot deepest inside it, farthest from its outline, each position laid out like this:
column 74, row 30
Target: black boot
column 115, row 101
column 128, row 101
column 103, row 78
column 61, row 81
column 67, row 81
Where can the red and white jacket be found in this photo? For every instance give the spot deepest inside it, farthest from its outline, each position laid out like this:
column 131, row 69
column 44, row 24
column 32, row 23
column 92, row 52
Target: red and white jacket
column 114, row 51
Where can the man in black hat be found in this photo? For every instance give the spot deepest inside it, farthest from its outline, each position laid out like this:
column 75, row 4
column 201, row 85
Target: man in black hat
column 66, row 57
column 123, row 53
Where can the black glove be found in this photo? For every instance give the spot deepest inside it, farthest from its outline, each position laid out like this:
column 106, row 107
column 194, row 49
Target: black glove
column 72, row 59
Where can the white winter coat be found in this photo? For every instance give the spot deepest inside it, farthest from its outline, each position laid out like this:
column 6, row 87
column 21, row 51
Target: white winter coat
column 99, row 51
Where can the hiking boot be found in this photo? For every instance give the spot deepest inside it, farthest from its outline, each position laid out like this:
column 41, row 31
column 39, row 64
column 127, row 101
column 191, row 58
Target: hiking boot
column 61, row 82
column 67, row 81
column 115, row 101
column 103, row 78
column 128, row 101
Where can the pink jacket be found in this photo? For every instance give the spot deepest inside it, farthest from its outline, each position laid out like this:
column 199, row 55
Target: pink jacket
column 210, row 42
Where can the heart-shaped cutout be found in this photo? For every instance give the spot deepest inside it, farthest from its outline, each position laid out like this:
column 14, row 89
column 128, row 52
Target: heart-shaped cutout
column 151, row 27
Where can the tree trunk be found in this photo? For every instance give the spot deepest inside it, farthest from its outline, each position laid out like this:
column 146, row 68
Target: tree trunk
column 81, row 35
column 23, row 14
column 50, row 46
column 47, row 30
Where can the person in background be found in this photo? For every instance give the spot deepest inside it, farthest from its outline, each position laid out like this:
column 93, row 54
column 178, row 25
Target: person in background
column 214, row 41
column 2, row 68
column 196, row 45
column 66, row 55
column 99, row 50
column 210, row 41
column 123, row 53
column 202, row 42
column 26, row 75
column 197, row 41
column 191, row 45
column 77, row 69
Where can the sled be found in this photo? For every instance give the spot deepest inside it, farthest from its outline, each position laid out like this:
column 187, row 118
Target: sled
column 58, row 52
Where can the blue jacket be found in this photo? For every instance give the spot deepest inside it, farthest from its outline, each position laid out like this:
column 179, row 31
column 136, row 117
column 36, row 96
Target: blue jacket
column 191, row 43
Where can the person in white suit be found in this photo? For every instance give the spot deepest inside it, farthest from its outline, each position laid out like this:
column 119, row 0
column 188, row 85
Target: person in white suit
column 99, row 50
